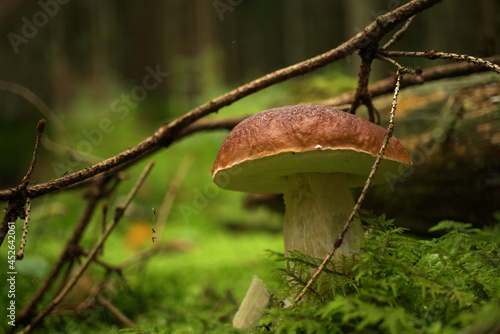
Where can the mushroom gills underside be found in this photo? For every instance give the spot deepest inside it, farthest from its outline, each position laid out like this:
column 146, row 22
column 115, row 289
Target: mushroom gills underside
column 267, row 175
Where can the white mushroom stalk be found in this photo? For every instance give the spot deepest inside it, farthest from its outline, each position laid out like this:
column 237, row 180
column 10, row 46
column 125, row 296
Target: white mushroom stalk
column 312, row 155
column 317, row 208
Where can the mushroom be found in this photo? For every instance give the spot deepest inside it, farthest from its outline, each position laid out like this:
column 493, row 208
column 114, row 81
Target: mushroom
column 312, row 155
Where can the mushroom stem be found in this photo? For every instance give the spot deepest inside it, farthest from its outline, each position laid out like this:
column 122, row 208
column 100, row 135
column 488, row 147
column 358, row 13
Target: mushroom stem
column 317, row 207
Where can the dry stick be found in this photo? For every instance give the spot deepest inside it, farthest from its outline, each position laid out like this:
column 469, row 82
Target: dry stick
column 433, row 54
column 39, row 130
column 390, row 60
column 170, row 195
column 386, row 86
column 362, row 96
column 201, row 125
column 18, row 200
column 198, row 126
column 166, row 134
column 397, row 36
column 20, row 254
column 164, row 212
column 109, row 268
column 122, row 317
column 104, row 217
column 103, row 224
column 338, row 241
column 119, row 211
column 12, row 211
column 94, row 194
column 24, row 183
column 89, row 301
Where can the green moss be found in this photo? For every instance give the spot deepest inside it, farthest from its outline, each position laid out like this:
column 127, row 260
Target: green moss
column 398, row 284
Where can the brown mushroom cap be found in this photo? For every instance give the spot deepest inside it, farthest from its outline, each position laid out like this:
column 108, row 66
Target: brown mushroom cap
column 262, row 150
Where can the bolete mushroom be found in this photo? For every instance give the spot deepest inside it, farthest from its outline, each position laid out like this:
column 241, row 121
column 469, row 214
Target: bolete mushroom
column 312, row 155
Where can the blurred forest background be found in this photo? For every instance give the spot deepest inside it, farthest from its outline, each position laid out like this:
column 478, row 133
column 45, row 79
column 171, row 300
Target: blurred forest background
column 80, row 58
column 88, row 49
column 79, row 63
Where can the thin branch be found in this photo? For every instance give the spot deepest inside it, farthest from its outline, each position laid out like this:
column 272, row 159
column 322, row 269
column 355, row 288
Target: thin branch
column 164, row 212
column 95, row 193
column 201, row 125
column 93, row 297
column 109, row 268
column 171, row 194
column 298, row 280
column 122, row 317
column 71, row 261
column 13, row 210
column 90, row 300
column 433, row 54
column 20, row 254
column 389, row 60
column 340, row 238
column 18, row 200
column 114, row 174
column 198, row 126
column 119, row 211
column 140, row 256
column 104, row 218
column 386, row 86
column 362, row 96
column 397, row 36
column 166, row 134
column 39, row 130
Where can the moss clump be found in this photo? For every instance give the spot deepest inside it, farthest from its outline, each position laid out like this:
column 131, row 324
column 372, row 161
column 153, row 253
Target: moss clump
column 398, row 284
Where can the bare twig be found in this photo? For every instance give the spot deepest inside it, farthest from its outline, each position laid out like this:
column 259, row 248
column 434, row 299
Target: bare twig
column 397, row 36
column 104, row 218
column 119, row 211
column 433, row 54
column 109, row 268
column 140, row 256
column 338, row 242
column 170, row 195
column 90, row 300
column 93, row 297
column 95, row 193
column 18, row 200
column 39, row 130
column 386, row 86
column 198, row 126
column 20, row 254
column 389, row 60
column 122, row 317
column 166, row 134
column 164, row 212
column 362, row 96
column 225, row 123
